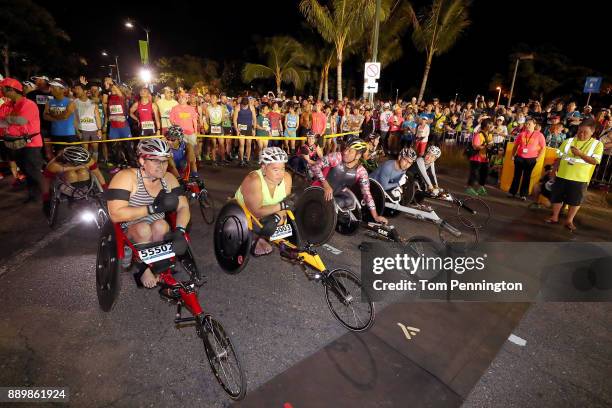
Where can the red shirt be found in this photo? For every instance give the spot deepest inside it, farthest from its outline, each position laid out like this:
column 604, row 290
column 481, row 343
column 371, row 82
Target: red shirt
column 318, row 122
column 395, row 123
column 275, row 120
column 28, row 110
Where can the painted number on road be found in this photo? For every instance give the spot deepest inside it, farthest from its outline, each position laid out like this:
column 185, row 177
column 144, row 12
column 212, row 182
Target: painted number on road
column 409, row 332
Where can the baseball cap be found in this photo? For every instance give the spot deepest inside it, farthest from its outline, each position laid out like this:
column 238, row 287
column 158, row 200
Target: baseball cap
column 387, row 105
column 58, row 82
column 500, row 118
column 12, row 83
column 36, row 77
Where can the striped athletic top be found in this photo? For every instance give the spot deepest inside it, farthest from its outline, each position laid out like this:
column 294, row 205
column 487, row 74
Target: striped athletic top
column 142, row 198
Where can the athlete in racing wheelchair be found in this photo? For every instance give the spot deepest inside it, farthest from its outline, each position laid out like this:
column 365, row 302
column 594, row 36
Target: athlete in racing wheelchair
column 264, row 193
column 69, row 175
column 337, row 173
column 139, row 198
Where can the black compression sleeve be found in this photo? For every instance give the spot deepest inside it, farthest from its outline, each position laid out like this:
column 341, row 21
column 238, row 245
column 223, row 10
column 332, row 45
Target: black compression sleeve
column 117, row 194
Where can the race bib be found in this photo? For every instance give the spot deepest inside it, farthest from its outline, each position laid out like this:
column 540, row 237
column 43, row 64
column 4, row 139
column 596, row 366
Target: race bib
column 282, row 231
column 87, row 120
column 115, row 109
column 291, row 123
column 117, row 118
column 42, row 99
column 158, row 253
column 147, row 125
column 328, row 125
column 525, row 151
column 275, row 132
column 242, row 127
column 215, row 130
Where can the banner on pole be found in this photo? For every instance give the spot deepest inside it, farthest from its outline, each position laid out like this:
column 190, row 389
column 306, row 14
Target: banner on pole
column 144, row 51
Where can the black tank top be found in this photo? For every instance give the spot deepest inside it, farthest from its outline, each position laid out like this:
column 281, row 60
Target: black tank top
column 340, row 177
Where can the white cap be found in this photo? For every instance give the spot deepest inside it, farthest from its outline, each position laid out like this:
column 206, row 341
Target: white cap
column 386, row 105
column 500, row 118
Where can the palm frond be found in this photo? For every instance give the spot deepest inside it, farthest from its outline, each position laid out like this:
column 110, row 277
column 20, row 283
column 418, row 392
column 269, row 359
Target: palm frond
column 250, row 72
column 320, row 18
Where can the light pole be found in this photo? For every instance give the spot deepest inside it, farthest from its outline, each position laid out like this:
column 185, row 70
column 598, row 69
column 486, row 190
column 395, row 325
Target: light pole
column 375, row 40
column 131, row 24
column 521, row 57
column 498, row 96
column 105, row 54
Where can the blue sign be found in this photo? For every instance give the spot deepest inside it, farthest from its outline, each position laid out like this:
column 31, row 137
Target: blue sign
column 592, row 85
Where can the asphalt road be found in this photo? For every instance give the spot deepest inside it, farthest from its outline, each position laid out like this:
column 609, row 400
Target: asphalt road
column 52, row 332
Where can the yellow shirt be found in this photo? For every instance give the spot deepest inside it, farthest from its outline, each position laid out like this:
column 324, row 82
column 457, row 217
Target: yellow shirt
column 266, row 199
column 165, row 106
column 574, row 168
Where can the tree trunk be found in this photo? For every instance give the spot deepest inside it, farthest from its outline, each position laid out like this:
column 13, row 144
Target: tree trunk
column 424, row 82
column 278, row 86
column 326, row 83
column 5, row 60
column 322, row 77
column 339, row 76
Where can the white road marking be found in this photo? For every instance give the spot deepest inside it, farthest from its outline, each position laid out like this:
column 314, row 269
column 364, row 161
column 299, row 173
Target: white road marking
column 409, row 332
column 331, row 249
column 517, row 340
column 22, row 256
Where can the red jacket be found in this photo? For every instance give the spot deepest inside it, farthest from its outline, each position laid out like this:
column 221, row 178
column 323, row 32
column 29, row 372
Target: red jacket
column 28, row 110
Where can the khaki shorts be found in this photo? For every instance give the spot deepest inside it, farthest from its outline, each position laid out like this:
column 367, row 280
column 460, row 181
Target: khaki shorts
column 89, row 135
column 191, row 139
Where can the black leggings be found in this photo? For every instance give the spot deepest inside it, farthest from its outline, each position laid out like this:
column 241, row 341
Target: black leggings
column 522, row 175
column 478, row 172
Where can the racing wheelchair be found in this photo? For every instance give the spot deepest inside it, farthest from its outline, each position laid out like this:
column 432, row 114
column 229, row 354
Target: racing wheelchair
column 311, row 224
column 195, row 189
column 474, row 209
column 64, row 192
column 163, row 257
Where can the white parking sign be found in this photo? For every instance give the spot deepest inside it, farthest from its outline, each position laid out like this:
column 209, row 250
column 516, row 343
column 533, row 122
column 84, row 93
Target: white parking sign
column 371, row 70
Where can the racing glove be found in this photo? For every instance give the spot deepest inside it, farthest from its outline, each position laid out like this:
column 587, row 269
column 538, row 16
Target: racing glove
column 164, row 202
column 402, row 180
column 287, row 204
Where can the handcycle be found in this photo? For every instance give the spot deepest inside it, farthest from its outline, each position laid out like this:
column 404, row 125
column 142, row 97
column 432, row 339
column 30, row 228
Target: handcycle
column 233, row 232
column 195, row 189
column 63, row 191
column 162, row 257
column 476, row 210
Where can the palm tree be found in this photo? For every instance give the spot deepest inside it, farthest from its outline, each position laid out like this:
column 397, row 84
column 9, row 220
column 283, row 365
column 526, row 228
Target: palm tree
column 437, row 29
column 341, row 23
column 286, row 62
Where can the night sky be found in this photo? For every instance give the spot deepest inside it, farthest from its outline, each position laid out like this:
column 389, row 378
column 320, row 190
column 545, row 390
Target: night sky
column 227, row 30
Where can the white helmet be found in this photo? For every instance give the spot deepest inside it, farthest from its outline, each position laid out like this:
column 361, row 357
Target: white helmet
column 273, row 155
column 434, row 151
column 153, row 147
column 76, row 155
column 408, row 153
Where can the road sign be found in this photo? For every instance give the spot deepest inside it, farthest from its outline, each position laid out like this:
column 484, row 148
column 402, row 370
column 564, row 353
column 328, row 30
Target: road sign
column 371, row 70
column 370, row 86
column 592, row 85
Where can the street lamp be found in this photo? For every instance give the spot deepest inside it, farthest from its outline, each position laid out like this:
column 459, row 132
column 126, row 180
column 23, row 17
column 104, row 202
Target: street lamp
column 105, row 54
column 146, row 76
column 520, row 57
column 498, row 96
column 133, row 23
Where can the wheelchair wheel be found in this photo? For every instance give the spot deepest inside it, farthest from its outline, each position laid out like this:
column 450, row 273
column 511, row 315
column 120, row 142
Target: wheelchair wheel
column 207, row 206
column 222, row 357
column 107, row 268
column 347, row 301
column 476, row 210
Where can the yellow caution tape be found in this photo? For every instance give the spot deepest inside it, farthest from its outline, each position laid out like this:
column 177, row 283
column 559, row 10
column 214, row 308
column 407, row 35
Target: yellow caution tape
column 203, row 137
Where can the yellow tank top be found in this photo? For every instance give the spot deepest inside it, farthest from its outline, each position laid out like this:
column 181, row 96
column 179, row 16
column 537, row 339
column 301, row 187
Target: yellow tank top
column 266, row 198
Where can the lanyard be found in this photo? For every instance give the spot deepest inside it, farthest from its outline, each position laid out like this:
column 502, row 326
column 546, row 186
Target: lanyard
column 530, row 137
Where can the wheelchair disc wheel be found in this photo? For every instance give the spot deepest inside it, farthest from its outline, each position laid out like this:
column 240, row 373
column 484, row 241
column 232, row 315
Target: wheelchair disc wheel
column 207, row 207
column 107, row 269
column 222, row 357
column 347, row 301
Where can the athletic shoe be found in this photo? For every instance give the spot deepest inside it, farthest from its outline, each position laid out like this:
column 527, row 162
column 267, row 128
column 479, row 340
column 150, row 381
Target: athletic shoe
column 511, row 195
column 471, row 191
column 523, row 198
column 482, row 191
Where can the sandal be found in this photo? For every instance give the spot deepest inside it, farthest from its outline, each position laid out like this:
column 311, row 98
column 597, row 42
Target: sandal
column 551, row 221
column 570, row 226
